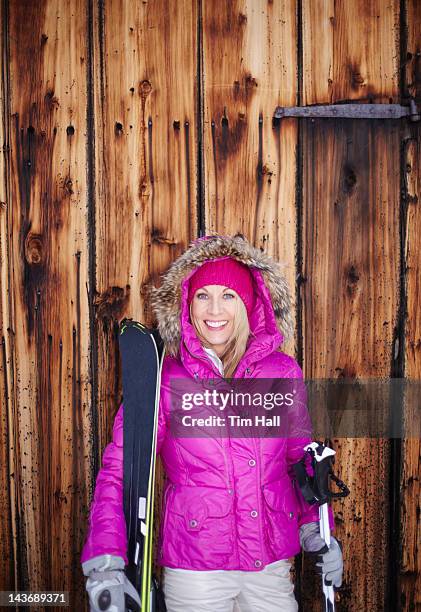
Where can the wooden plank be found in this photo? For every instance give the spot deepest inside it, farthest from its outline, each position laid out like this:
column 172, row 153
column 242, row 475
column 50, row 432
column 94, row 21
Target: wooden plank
column 249, row 68
column 145, row 117
column 48, row 301
column 7, row 557
column 145, row 151
column 411, row 49
column 410, row 564
column 350, row 51
column 351, row 188
column 411, row 446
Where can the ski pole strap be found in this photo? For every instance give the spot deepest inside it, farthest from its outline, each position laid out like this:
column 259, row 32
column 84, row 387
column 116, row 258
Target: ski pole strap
column 315, row 488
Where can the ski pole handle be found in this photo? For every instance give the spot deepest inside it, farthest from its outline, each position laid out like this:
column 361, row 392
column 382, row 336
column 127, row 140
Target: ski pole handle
column 322, row 460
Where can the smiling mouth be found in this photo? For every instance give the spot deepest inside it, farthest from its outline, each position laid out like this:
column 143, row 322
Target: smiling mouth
column 216, row 325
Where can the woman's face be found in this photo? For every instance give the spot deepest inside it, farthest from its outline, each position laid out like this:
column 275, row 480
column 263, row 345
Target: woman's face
column 213, row 311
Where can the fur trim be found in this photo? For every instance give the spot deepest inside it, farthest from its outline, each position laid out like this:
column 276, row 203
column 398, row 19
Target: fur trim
column 166, row 300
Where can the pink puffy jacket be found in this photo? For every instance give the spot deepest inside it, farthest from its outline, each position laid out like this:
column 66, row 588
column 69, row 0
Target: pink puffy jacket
column 229, row 503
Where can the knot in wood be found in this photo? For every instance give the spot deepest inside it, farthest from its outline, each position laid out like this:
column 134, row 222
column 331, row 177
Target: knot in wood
column 33, row 249
column 145, row 88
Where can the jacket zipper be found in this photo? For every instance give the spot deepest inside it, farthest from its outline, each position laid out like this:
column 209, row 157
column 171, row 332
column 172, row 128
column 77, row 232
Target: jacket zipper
column 205, row 360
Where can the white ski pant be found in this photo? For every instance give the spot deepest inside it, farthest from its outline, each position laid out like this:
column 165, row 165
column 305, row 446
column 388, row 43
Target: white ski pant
column 269, row 590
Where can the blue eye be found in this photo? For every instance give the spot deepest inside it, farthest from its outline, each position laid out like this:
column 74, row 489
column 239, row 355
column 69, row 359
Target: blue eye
column 204, row 296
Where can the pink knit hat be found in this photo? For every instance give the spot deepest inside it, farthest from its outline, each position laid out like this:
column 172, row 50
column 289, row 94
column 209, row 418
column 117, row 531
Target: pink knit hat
column 227, row 272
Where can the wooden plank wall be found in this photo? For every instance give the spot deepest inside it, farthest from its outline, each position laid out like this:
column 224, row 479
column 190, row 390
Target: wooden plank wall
column 410, row 514
column 351, row 179
column 6, row 524
column 127, row 129
column 350, row 307
column 46, row 327
column 144, row 103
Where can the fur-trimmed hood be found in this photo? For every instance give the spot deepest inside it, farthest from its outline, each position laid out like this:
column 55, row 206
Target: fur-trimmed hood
column 167, row 299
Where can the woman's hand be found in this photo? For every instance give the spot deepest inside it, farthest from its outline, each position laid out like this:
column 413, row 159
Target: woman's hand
column 329, row 559
column 108, row 587
column 111, row 590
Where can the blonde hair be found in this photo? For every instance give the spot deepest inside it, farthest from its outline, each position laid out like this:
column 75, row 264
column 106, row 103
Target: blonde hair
column 237, row 342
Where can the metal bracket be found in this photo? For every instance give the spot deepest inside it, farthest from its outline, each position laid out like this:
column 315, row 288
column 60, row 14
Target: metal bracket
column 351, row 111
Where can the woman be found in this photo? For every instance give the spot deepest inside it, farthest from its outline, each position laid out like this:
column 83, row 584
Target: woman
column 232, row 517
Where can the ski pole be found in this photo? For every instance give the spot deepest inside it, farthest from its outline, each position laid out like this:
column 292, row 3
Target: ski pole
column 315, row 489
column 323, row 453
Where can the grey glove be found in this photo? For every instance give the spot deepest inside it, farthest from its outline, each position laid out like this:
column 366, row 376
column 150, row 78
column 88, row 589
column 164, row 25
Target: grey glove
column 329, row 560
column 108, row 587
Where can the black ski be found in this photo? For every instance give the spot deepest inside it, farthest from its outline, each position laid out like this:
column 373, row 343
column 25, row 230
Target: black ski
column 141, row 353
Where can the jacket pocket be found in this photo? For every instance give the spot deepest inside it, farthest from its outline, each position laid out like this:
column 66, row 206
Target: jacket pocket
column 198, row 504
column 280, row 497
column 199, row 528
column 281, row 518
